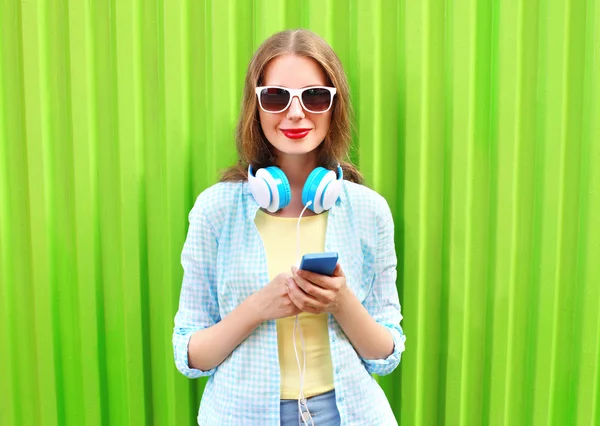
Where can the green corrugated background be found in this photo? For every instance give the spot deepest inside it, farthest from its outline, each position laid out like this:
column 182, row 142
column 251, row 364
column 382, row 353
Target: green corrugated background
column 479, row 121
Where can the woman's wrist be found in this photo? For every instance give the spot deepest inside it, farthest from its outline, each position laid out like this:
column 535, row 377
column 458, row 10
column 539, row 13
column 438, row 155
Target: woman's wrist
column 252, row 307
column 344, row 299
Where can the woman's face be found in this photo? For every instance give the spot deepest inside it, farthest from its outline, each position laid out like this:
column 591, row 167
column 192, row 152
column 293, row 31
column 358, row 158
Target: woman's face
column 294, row 72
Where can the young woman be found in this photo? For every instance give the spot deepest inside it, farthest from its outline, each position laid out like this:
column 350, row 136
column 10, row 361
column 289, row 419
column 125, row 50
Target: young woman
column 282, row 345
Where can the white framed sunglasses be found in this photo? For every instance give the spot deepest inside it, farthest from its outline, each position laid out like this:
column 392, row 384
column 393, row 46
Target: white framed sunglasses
column 314, row 99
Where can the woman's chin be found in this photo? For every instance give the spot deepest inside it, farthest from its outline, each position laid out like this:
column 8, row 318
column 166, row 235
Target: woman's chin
column 297, row 147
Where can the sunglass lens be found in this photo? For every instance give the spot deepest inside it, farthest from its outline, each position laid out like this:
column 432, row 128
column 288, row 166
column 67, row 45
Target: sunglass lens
column 274, row 99
column 316, row 100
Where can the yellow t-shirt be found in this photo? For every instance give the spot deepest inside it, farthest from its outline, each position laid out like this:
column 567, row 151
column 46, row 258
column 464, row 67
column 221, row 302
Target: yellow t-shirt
column 279, row 239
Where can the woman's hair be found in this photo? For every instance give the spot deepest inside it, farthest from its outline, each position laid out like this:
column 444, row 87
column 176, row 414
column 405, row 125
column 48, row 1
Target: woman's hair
column 252, row 145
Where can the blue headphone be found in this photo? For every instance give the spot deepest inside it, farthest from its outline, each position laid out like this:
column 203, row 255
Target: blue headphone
column 270, row 188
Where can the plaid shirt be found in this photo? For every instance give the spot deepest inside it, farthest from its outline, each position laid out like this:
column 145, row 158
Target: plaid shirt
column 224, row 262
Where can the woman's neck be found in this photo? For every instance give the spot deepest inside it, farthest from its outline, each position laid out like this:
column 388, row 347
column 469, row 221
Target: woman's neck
column 296, row 168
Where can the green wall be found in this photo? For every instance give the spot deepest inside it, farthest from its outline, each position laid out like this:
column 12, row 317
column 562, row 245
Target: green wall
column 479, row 121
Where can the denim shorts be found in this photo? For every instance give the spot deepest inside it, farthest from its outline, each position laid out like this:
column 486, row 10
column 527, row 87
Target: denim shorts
column 322, row 408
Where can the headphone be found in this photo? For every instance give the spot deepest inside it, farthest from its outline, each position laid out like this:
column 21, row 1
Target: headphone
column 270, row 188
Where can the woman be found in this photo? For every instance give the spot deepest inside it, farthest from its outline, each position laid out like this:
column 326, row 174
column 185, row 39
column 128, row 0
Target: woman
column 282, row 345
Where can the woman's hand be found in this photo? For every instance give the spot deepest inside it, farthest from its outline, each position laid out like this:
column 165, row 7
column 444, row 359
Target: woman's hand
column 272, row 301
column 315, row 293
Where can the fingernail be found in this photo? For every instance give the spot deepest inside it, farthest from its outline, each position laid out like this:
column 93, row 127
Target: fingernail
column 294, row 269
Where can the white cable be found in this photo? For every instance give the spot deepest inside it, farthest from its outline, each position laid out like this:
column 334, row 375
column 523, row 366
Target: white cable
column 301, row 370
column 298, row 234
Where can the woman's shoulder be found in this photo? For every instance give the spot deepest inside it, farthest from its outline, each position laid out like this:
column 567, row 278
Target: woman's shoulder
column 221, row 193
column 366, row 200
column 215, row 201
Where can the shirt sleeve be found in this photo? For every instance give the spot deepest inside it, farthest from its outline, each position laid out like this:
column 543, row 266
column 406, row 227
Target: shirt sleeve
column 382, row 302
column 198, row 304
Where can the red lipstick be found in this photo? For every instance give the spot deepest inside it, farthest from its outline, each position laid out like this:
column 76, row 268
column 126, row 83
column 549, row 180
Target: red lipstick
column 295, row 133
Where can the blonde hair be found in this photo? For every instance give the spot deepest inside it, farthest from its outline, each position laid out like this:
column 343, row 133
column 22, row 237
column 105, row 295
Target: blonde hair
column 252, row 145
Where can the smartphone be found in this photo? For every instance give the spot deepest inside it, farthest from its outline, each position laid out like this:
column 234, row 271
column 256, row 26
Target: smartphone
column 320, row 263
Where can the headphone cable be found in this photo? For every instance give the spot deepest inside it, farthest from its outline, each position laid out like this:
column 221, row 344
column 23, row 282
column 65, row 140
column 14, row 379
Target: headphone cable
column 304, row 415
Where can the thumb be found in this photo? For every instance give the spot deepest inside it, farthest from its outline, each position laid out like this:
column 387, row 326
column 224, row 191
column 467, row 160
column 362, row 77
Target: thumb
column 338, row 272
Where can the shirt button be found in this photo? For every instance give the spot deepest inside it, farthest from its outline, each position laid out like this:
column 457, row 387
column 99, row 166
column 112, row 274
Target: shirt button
column 341, row 399
column 337, row 370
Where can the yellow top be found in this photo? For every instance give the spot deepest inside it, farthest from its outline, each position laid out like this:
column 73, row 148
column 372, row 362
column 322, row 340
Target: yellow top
column 279, row 238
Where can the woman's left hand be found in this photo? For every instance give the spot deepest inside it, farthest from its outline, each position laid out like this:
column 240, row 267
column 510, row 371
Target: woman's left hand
column 315, row 293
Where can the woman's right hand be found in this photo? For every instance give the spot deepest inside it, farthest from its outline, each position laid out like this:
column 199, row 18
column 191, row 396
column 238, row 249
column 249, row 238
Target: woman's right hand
column 273, row 302
column 208, row 347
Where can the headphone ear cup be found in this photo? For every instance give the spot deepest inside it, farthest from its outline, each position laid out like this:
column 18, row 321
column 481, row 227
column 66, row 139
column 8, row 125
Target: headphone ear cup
column 331, row 194
column 333, row 189
column 316, row 187
column 279, row 186
column 311, row 185
column 283, row 186
column 260, row 189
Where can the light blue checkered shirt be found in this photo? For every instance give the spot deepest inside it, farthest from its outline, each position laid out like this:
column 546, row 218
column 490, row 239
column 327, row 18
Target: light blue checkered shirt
column 224, row 262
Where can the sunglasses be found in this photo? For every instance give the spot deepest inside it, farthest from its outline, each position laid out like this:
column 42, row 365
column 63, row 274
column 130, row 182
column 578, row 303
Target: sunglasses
column 315, row 99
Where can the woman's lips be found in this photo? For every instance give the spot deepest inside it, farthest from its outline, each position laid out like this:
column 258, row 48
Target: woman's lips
column 295, row 133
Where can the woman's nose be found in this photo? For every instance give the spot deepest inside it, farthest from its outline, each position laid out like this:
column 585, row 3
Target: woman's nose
column 295, row 110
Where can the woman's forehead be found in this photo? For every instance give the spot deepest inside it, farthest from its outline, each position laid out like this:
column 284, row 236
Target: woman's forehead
column 294, row 72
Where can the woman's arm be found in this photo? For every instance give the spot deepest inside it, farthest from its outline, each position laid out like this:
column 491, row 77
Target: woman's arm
column 209, row 347
column 370, row 339
column 316, row 293
column 202, row 339
column 373, row 325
